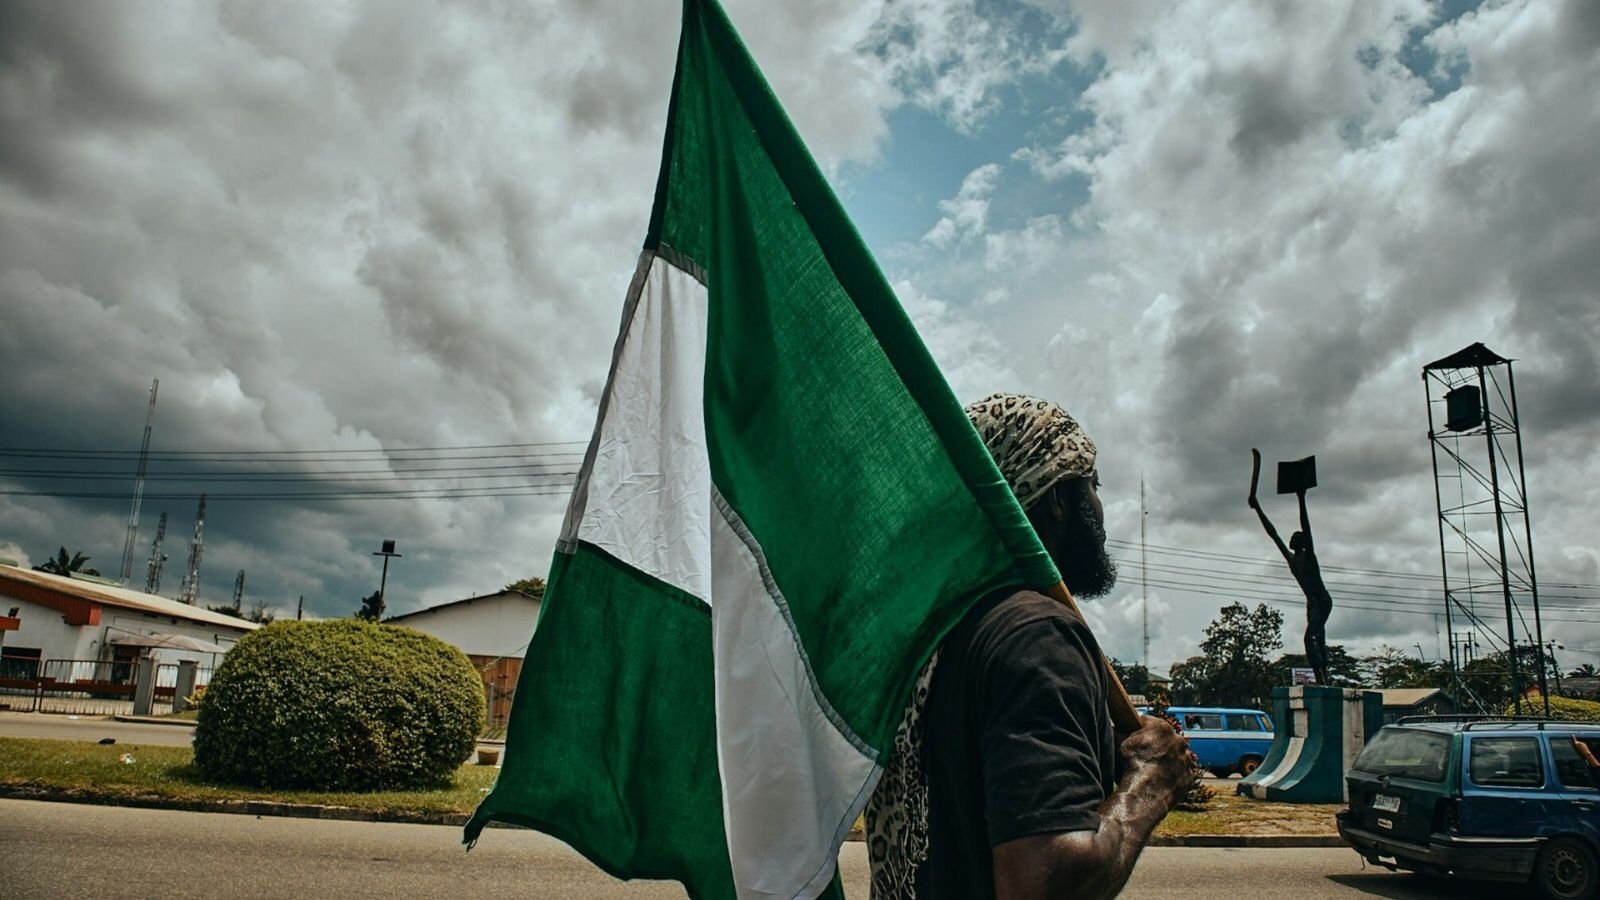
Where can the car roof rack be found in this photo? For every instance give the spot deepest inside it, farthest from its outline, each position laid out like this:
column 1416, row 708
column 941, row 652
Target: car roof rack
column 1468, row 720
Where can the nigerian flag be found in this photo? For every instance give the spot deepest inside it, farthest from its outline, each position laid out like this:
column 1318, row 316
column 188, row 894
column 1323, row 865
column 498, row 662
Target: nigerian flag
column 782, row 511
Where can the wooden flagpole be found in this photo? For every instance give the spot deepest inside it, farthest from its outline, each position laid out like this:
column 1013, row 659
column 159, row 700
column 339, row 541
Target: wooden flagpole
column 1123, row 716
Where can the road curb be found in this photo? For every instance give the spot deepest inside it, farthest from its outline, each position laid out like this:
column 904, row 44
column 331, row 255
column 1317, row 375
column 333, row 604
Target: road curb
column 257, row 808
column 152, row 720
column 1254, row 841
column 260, row 808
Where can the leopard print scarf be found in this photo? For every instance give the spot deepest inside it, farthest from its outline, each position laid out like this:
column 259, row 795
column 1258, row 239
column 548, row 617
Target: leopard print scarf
column 1034, row 443
column 897, row 814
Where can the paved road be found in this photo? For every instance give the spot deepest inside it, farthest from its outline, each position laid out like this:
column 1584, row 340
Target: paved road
column 50, row 850
column 91, row 728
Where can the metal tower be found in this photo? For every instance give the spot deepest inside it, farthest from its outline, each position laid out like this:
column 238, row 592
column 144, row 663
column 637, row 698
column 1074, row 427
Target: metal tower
column 238, row 593
column 138, row 489
column 191, row 573
column 152, row 569
column 1480, row 490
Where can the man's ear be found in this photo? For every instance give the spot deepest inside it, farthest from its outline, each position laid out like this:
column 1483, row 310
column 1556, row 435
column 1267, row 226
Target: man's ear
column 1058, row 501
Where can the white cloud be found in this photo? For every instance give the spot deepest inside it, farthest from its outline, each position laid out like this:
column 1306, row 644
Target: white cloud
column 967, row 213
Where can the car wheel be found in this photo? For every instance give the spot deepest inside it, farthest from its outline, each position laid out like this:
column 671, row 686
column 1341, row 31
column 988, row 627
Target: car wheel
column 1249, row 764
column 1566, row 869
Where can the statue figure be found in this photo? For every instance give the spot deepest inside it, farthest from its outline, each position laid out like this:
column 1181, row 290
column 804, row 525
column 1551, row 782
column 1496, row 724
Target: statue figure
column 1301, row 555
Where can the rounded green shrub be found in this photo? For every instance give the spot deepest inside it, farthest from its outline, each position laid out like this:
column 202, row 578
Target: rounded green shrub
column 339, row 705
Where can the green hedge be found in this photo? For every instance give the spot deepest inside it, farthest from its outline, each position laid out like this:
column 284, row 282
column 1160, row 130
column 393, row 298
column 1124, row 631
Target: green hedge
column 339, row 705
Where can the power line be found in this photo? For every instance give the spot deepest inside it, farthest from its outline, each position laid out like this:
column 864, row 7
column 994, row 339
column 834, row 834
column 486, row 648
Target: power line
column 1267, row 561
column 65, row 453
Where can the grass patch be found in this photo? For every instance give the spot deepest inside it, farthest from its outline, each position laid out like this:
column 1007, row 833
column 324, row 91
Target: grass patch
column 92, row 771
column 1228, row 813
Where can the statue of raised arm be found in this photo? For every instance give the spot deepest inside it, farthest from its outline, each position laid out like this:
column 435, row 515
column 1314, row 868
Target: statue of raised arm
column 1301, row 555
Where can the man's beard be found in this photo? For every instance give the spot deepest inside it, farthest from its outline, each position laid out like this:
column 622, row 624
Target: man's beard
column 1086, row 567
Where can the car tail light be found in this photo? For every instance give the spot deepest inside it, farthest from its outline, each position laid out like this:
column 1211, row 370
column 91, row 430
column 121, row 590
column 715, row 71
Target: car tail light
column 1446, row 817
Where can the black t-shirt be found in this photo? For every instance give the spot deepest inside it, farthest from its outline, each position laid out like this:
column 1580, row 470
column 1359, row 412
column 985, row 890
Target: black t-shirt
column 1017, row 738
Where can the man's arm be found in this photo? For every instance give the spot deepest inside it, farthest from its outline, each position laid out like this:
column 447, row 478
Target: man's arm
column 1271, row 532
column 1085, row 865
column 1305, row 519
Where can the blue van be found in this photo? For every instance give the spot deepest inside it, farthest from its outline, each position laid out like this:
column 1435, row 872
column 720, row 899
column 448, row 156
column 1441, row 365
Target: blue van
column 1226, row 740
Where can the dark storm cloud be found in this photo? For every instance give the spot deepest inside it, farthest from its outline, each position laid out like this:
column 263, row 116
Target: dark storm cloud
column 365, row 227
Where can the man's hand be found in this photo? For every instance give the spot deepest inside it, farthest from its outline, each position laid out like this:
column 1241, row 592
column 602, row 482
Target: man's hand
column 1162, row 754
column 1094, row 865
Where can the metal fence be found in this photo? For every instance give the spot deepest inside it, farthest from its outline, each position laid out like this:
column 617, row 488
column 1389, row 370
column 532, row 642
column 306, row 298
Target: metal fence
column 90, row 687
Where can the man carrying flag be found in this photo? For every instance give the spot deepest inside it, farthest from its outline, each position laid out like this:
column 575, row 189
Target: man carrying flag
column 1004, row 779
column 782, row 512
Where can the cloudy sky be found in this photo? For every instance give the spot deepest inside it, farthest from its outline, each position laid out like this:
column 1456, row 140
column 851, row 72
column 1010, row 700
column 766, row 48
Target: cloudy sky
column 341, row 234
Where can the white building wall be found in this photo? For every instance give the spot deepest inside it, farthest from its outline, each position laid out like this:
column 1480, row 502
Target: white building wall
column 45, row 629
column 498, row 625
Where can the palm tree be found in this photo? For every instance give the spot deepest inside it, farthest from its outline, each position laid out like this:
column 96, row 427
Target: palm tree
column 62, row 564
column 1587, row 670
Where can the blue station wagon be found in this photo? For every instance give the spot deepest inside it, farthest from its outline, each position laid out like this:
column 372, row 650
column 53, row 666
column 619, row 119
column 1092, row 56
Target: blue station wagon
column 1226, row 740
column 1493, row 799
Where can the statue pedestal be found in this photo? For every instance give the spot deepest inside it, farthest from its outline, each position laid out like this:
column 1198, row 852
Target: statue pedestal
column 1320, row 730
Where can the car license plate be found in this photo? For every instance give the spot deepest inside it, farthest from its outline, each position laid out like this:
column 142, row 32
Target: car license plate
column 1386, row 803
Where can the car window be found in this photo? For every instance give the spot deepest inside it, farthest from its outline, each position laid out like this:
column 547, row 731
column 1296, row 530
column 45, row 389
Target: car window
column 1244, row 722
column 1406, row 753
column 1506, row 762
column 1571, row 769
column 1202, row 721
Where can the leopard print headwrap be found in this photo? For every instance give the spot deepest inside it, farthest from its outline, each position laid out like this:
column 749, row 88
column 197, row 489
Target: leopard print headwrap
column 1034, row 442
column 1036, row 445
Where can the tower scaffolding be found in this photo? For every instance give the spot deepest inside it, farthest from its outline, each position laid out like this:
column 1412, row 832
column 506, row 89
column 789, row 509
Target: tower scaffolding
column 1480, row 491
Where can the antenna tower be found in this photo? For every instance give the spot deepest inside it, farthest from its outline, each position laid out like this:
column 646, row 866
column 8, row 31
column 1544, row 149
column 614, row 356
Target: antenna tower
column 1481, row 491
column 152, row 569
column 191, row 573
column 1144, row 573
column 238, row 593
column 138, row 489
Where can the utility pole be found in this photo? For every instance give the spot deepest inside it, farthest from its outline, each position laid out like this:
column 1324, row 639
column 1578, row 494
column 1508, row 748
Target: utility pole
column 300, row 608
column 387, row 553
column 1144, row 570
column 138, row 489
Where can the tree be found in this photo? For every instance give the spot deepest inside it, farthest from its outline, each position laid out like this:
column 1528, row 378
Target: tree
column 1587, row 670
column 1134, row 677
column 62, row 564
column 1234, row 667
column 1392, row 668
column 1488, row 678
column 259, row 614
column 533, row 587
column 371, row 607
column 1344, row 670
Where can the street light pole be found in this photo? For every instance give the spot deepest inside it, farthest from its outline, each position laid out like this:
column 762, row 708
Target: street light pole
column 387, row 553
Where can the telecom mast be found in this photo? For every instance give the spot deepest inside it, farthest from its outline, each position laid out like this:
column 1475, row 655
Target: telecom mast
column 138, row 489
column 152, row 569
column 238, row 593
column 1144, row 573
column 191, row 573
